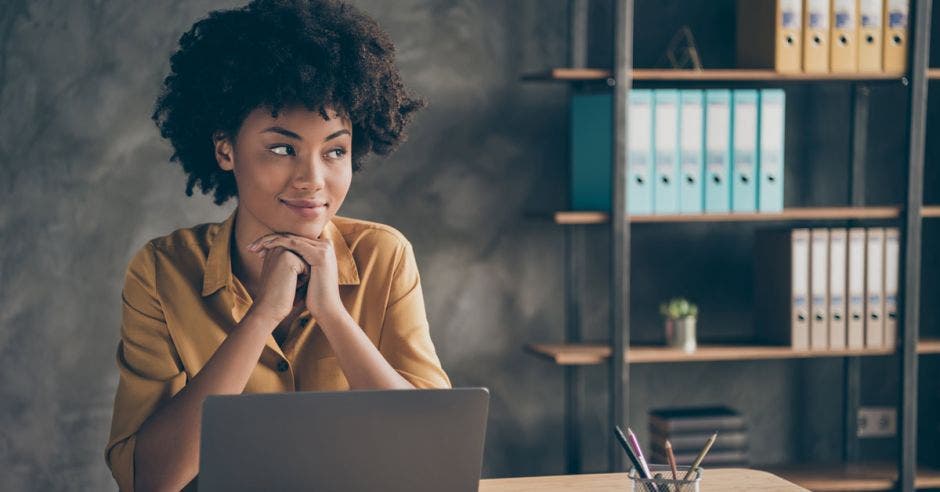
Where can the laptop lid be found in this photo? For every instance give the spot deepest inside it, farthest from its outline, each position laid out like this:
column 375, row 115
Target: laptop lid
column 408, row 440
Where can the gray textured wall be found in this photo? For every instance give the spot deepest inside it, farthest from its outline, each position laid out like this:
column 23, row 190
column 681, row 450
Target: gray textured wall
column 86, row 182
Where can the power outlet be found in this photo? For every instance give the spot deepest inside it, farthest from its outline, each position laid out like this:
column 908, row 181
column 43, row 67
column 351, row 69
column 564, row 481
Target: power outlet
column 877, row 422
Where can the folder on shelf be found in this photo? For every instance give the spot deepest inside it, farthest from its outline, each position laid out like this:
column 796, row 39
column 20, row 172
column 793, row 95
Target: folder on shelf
column 744, row 151
column 718, row 150
column 892, row 264
column 895, row 36
column 782, row 271
column 769, row 34
column 640, row 153
column 691, row 151
column 666, row 151
column 819, row 289
column 874, row 287
column 870, row 35
column 590, row 151
column 855, row 319
column 816, row 36
column 771, row 152
column 843, row 52
column 837, row 270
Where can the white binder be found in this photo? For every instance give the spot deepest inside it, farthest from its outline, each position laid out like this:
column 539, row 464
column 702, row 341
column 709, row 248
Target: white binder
column 855, row 307
column 799, row 262
column 874, row 288
column 892, row 264
column 819, row 289
column 837, row 270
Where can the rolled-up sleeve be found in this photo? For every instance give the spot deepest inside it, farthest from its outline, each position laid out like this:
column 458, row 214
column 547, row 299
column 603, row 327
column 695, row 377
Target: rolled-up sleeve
column 405, row 341
column 149, row 366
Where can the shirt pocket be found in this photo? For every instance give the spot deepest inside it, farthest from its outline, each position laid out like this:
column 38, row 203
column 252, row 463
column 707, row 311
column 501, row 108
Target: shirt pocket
column 329, row 375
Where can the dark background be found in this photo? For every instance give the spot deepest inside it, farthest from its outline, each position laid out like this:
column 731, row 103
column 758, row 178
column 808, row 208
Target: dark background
column 85, row 183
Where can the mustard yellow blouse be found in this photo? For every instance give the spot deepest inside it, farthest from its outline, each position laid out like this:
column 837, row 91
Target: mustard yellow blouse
column 181, row 300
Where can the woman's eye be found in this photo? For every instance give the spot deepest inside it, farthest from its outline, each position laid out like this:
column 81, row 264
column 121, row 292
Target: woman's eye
column 336, row 153
column 282, row 150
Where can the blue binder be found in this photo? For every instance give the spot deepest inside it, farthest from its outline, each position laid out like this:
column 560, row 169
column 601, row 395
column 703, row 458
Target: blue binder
column 744, row 151
column 718, row 131
column 666, row 151
column 691, row 151
column 771, row 151
column 590, row 148
column 640, row 153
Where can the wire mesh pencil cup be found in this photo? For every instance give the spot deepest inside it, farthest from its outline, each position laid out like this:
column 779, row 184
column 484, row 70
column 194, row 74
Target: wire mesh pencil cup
column 665, row 483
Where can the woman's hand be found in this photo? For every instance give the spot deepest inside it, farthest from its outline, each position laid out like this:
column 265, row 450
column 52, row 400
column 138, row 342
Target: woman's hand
column 323, row 298
column 279, row 294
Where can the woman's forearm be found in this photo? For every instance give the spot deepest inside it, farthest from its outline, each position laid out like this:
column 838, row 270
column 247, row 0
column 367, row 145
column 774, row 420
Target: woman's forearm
column 166, row 455
column 362, row 363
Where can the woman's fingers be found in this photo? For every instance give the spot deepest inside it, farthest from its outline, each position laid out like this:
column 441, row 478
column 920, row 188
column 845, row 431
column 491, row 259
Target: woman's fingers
column 311, row 250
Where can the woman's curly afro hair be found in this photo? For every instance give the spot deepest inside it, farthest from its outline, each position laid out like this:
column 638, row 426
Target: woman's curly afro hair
column 278, row 54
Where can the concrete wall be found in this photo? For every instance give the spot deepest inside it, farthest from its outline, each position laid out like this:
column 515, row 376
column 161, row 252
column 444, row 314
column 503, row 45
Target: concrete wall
column 86, row 182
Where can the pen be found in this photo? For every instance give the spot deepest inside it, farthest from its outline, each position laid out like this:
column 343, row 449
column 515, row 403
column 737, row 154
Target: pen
column 626, row 447
column 701, row 456
column 672, row 460
column 635, row 444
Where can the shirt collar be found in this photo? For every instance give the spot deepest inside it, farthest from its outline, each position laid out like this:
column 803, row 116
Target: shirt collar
column 219, row 264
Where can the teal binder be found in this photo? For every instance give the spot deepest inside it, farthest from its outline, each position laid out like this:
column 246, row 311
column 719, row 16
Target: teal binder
column 590, row 147
column 717, row 150
column 744, row 151
column 666, row 151
column 771, row 151
column 691, row 151
column 640, row 152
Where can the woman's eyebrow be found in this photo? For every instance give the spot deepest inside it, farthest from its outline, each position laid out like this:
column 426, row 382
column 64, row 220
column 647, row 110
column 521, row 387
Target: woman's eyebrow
column 289, row 134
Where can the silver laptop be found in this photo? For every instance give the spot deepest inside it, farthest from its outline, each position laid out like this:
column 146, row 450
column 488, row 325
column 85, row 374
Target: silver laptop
column 400, row 440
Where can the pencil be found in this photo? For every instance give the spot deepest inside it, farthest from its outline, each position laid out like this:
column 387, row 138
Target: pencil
column 672, row 460
column 701, row 456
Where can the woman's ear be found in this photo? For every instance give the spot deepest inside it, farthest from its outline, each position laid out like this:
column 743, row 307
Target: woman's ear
column 224, row 151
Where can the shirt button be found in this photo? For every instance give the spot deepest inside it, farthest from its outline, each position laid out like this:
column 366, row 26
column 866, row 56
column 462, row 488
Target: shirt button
column 282, row 366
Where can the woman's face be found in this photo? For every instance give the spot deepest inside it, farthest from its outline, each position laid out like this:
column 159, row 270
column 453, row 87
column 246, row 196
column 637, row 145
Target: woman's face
column 293, row 171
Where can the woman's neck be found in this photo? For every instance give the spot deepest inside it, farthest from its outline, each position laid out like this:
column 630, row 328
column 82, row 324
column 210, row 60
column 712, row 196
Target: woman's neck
column 245, row 264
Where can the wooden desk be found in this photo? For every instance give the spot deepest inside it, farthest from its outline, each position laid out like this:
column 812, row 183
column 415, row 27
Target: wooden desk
column 725, row 480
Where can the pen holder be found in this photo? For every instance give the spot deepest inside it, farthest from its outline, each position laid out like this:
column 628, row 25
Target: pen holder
column 666, row 483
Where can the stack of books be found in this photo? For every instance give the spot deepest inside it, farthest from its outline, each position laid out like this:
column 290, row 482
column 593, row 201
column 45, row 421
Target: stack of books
column 687, row 429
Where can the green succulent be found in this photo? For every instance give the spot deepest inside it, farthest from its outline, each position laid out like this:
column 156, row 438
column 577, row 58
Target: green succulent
column 678, row 308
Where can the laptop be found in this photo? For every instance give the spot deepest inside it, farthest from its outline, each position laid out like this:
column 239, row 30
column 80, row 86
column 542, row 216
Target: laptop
column 398, row 440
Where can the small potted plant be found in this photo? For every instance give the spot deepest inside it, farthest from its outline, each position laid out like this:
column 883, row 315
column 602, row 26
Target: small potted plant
column 680, row 316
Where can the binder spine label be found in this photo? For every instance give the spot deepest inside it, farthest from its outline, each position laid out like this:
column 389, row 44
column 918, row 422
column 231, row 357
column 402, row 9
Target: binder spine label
column 870, row 13
column 791, row 14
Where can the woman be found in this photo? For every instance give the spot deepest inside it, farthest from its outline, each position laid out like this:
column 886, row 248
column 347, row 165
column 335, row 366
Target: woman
column 276, row 104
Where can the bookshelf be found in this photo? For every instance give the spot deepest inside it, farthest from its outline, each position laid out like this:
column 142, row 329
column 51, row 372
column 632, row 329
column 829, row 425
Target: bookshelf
column 928, row 346
column 791, row 214
column 932, row 211
column 573, row 353
column 707, row 75
column 586, row 354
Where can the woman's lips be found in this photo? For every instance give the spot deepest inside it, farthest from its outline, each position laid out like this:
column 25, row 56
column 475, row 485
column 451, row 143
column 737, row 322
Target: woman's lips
column 306, row 208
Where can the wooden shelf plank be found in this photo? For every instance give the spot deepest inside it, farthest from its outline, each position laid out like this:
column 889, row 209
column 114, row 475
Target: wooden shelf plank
column 930, row 211
column 933, row 73
column 597, row 353
column 807, row 213
column 731, row 74
column 928, row 346
column 841, row 477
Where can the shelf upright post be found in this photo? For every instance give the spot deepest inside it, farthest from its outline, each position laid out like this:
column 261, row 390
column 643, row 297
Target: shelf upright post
column 911, row 246
column 852, row 366
column 574, row 265
column 618, row 378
